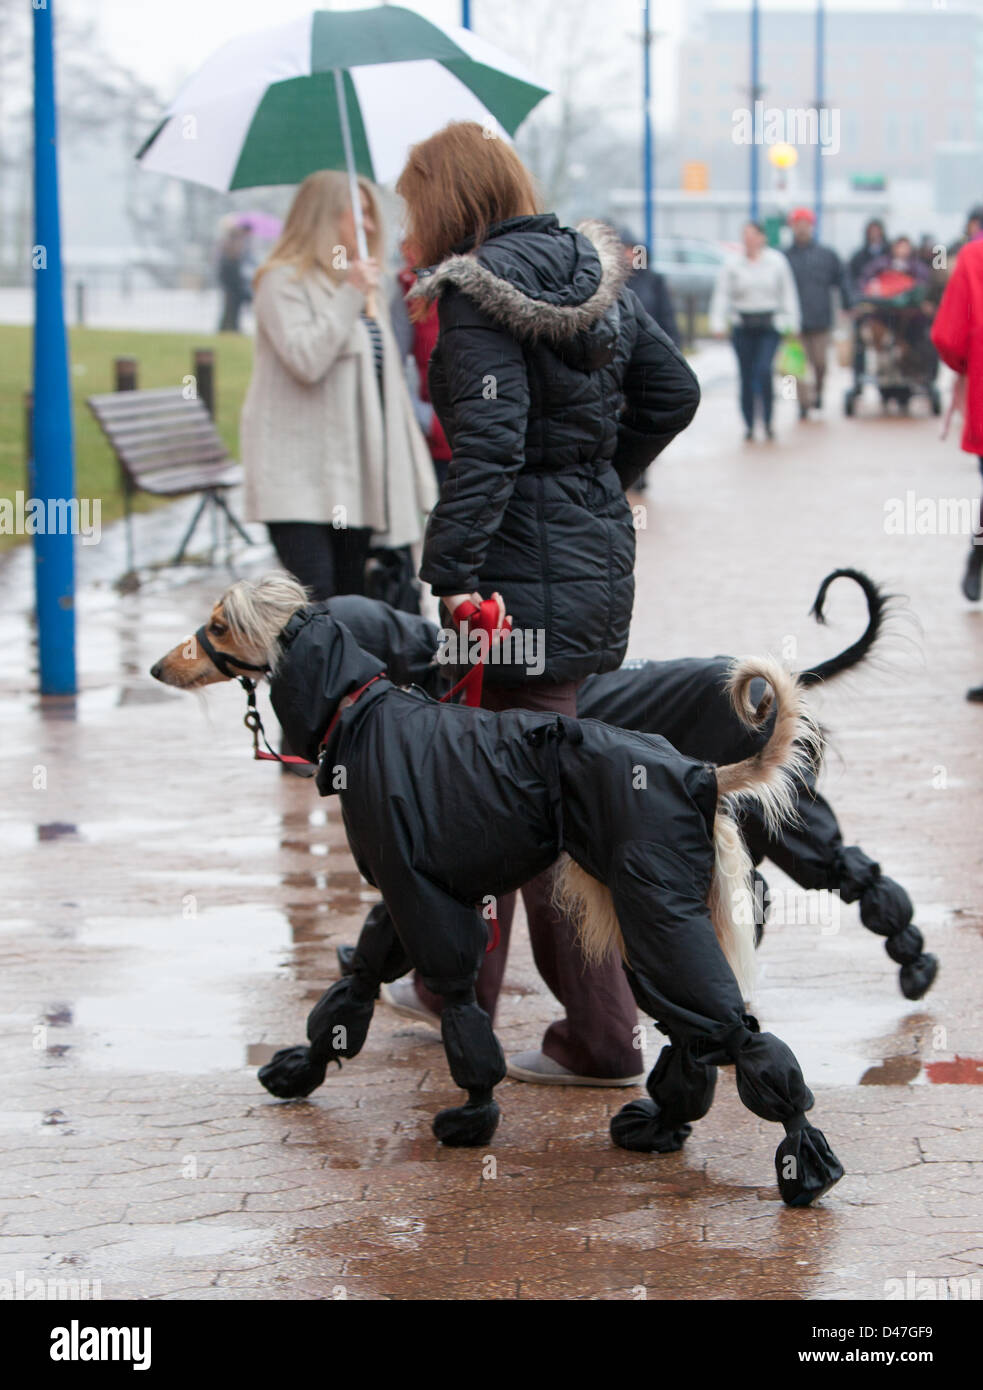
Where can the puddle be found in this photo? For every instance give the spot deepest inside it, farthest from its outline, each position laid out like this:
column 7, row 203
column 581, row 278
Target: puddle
column 176, row 1004
column 186, row 1239
column 961, row 1071
column 893, row 1071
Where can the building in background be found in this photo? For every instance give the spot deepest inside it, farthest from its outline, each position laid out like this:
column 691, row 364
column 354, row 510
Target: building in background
column 906, row 83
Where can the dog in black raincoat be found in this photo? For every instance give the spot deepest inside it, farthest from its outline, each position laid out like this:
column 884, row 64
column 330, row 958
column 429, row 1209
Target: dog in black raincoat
column 446, row 807
column 686, row 701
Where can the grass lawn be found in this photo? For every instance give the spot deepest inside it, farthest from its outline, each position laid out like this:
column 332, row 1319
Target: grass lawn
column 163, row 360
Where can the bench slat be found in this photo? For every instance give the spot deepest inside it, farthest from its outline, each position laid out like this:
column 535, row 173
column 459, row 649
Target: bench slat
column 119, row 399
column 159, row 462
column 174, row 482
column 172, row 410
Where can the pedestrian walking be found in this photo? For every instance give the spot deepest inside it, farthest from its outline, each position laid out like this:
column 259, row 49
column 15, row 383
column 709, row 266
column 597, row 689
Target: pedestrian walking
column 654, row 297
column 874, row 246
column 755, row 297
column 818, row 271
column 651, row 287
column 958, row 337
column 232, row 278
column 333, row 457
column 556, row 391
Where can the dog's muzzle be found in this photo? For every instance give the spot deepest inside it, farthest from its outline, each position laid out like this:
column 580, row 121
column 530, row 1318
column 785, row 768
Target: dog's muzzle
column 225, row 661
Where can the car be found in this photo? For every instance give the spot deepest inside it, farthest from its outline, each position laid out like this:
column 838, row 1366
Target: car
column 690, row 267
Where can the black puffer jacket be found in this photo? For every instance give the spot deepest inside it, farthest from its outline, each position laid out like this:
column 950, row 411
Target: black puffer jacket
column 556, row 390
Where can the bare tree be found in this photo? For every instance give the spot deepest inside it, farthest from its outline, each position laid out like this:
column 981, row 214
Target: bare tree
column 570, row 141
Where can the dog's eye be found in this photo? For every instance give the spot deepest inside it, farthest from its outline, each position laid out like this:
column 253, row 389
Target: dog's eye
column 217, row 629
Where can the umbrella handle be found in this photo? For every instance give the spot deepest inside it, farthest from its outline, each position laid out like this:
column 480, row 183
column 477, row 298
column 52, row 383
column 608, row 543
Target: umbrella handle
column 346, row 138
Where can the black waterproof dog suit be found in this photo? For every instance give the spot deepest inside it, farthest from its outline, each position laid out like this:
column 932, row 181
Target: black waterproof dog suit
column 685, row 701
column 448, row 807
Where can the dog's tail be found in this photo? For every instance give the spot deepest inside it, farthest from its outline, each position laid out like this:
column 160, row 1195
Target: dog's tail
column 877, row 607
column 765, row 777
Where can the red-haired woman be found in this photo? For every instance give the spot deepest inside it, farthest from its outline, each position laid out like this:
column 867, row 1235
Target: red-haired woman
column 556, row 390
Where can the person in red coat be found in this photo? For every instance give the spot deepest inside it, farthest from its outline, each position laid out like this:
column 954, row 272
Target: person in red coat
column 417, row 337
column 958, row 337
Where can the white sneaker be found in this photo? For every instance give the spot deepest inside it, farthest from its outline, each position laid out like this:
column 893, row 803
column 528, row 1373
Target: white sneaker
column 403, row 999
column 537, row 1067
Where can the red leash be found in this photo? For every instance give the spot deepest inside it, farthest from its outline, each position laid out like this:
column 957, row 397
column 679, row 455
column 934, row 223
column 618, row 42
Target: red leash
column 468, row 615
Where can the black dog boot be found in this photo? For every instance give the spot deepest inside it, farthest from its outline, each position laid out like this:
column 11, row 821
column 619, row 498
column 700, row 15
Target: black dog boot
column 292, row 1073
column 639, row 1126
column 468, row 1126
column 477, row 1065
column 805, row 1165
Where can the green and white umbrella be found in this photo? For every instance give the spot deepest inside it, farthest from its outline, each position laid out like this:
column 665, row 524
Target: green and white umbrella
column 348, row 90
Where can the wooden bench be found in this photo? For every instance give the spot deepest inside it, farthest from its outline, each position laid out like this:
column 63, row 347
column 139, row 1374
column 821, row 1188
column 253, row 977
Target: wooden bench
column 166, row 444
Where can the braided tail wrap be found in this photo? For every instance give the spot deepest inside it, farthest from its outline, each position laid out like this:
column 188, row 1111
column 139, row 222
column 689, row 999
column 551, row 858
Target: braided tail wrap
column 886, row 910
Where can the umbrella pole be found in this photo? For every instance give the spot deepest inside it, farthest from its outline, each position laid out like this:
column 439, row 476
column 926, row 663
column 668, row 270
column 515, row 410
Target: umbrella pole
column 346, row 139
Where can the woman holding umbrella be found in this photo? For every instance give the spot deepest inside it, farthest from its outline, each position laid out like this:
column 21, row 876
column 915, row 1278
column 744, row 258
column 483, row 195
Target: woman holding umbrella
column 333, row 457
column 556, row 390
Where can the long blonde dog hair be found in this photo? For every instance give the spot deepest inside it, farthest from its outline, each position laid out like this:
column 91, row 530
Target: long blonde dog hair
column 765, row 778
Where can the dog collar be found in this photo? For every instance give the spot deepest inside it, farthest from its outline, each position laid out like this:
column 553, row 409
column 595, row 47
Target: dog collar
column 225, row 661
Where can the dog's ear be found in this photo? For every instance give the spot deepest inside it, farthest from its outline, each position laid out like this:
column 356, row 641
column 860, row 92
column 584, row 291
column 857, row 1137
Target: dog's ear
column 279, row 595
column 258, row 611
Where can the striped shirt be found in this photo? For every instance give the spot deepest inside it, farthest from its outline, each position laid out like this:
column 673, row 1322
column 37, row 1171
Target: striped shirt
column 375, row 334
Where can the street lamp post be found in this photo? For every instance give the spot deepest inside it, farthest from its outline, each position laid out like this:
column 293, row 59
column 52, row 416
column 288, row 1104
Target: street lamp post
column 755, row 93
column 820, row 99
column 52, row 467
column 648, row 145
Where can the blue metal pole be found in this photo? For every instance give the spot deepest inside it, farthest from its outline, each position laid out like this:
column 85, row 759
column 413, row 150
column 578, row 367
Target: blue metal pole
column 465, row 14
column 649, row 150
column 820, row 99
column 755, row 92
column 52, row 471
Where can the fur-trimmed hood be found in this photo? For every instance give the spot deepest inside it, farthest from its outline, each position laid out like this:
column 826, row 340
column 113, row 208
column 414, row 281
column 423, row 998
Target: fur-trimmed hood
column 541, row 281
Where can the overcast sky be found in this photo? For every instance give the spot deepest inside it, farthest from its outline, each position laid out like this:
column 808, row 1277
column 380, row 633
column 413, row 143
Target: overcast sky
column 165, row 40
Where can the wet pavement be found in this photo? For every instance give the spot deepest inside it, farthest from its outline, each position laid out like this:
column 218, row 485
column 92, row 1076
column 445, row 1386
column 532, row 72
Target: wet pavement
column 171, row 909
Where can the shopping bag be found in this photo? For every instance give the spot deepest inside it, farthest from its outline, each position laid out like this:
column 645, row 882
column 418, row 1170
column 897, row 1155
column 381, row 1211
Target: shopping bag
column 791, row 359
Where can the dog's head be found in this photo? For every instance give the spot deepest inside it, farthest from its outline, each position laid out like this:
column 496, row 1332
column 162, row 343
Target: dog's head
column 242, row 629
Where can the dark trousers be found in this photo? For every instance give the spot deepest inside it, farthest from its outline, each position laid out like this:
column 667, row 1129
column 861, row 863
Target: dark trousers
column 756, row 348
column 328, row 560
column 597, row 1036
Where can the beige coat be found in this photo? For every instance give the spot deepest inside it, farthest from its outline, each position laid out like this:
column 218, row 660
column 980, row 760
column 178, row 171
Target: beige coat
column 313, row 441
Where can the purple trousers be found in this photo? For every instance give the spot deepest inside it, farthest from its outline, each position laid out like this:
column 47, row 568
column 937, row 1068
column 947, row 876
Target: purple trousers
column 596, row 1038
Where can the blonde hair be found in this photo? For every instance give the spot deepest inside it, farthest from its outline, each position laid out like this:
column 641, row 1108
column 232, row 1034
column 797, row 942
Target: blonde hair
column 310, row 238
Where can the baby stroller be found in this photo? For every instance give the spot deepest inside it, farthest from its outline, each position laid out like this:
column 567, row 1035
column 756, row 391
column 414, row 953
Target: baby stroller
column 899, row 358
